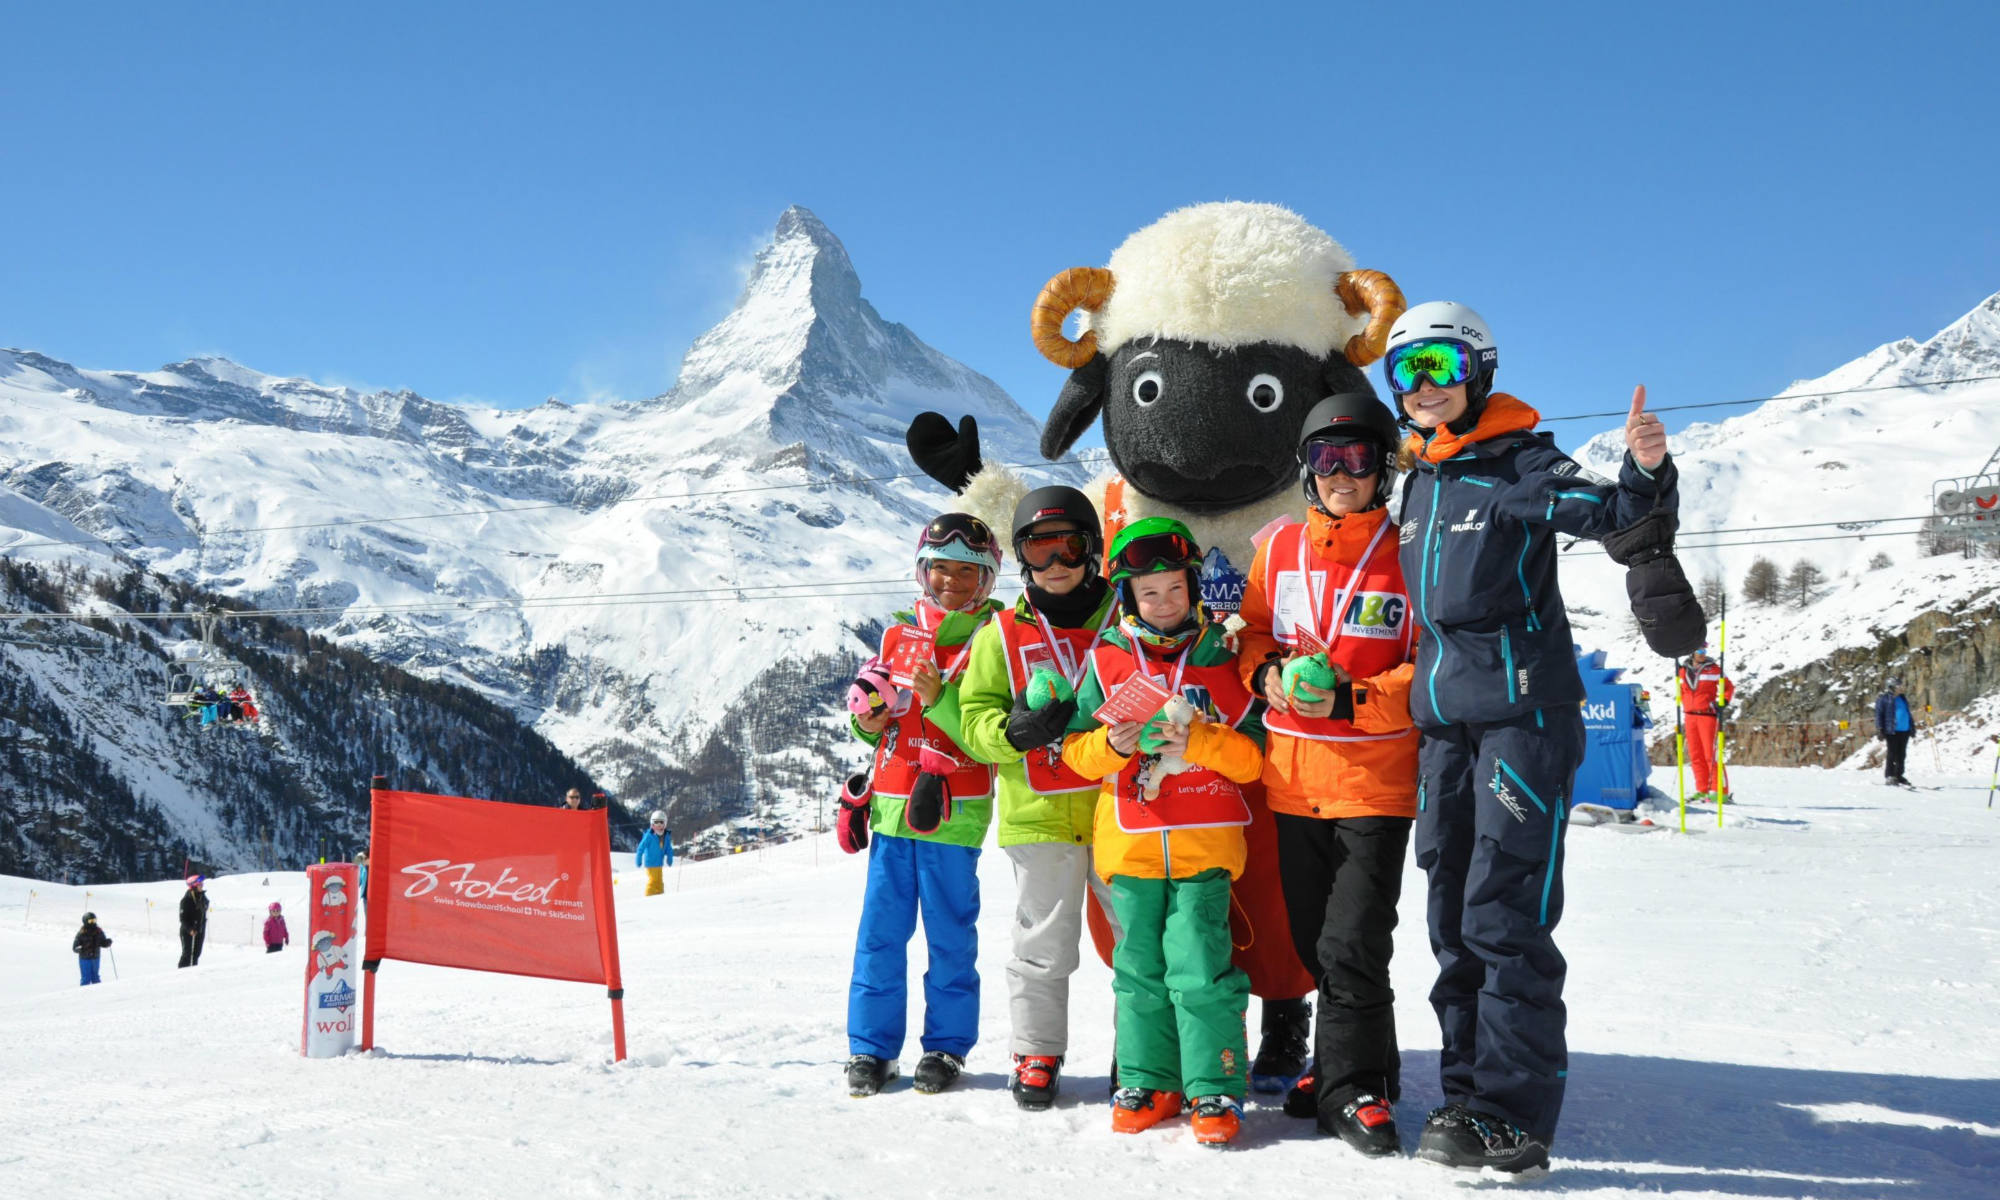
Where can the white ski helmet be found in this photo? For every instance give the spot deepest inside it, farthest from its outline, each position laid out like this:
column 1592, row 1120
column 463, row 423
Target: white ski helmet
column 1450, row 321
column 658, row 814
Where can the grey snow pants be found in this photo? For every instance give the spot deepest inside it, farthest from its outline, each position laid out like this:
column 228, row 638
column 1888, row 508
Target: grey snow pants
column 1050, row 883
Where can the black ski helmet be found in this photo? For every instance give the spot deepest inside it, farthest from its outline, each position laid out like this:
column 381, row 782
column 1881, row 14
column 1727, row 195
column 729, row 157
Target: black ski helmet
column 1057, row 502
column 1356, row 416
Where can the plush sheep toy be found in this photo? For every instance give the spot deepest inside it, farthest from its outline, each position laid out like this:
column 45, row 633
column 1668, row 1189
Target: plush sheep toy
column 1204, row 342
column 1180, row 714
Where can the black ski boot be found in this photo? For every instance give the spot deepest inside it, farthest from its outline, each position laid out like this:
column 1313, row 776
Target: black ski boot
column 866, row 1074
column 1036, row 1079
column 1367, row 1123
column 1459, row 1137
column 1303, row 1100
column 937, row 1071
column 1286, row 1047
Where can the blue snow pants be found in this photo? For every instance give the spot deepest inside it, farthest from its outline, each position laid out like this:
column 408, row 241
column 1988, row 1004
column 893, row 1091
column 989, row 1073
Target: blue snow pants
column 1492, row 807
column 89, row 968
column 904, row 876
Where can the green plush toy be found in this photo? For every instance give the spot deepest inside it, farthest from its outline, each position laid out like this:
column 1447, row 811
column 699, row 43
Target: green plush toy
column 1310, row 678
column 1046, row 687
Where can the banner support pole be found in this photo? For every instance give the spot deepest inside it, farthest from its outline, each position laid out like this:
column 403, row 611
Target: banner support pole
column 368, row 1003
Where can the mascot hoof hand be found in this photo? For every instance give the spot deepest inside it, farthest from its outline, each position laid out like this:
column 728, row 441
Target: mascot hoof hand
column 949, row 456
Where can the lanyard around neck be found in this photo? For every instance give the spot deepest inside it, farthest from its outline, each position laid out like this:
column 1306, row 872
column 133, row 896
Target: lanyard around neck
column 1072, row 668
column 1341, row 598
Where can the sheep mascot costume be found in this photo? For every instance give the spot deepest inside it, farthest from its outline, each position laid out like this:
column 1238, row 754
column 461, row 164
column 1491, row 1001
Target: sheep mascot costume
column 1202, row 346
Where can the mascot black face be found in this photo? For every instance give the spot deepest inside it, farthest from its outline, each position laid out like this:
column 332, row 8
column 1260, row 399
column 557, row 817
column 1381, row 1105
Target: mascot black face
column 1204, row 429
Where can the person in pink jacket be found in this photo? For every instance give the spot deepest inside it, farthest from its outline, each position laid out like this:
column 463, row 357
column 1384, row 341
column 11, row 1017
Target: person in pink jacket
column 276, row 936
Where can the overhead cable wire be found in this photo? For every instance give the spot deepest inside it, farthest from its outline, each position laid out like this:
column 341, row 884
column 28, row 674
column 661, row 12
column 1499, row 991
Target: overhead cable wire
column 1854, row 391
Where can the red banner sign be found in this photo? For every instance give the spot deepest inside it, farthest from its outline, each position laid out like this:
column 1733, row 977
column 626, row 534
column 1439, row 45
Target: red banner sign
column 491, row 887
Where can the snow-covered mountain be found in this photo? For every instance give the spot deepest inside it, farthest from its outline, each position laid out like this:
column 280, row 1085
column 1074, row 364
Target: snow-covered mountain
column 673, row 591
column 1830, row 460
column 100, row 779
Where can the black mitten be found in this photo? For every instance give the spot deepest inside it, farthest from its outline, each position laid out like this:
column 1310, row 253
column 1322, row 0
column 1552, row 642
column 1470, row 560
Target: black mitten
column 1028, row 728
column 929, row 805
column 951, row 458
column 1662, row 599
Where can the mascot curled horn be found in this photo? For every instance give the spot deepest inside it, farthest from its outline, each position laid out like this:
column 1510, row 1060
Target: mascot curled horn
column 1203, row 344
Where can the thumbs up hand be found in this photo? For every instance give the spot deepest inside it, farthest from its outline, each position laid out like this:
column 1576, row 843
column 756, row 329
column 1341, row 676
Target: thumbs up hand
column 1645, row 437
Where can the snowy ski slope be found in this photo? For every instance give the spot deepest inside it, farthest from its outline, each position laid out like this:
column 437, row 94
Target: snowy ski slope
column 1799, row 1005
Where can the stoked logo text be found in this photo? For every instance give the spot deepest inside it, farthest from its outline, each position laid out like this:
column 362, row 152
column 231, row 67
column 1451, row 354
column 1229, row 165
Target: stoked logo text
column 505, row 886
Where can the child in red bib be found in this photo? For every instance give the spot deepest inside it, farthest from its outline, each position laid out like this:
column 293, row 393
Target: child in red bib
column 1169, row 834
column 927, row 810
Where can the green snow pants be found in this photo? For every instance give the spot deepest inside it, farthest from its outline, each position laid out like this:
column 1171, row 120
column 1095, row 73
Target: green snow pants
column 1180, row 1001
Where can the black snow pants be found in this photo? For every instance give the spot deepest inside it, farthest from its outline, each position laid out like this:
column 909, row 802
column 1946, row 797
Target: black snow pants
column 1341, row 879
column 1492, row 808
column 1892, row 765
column 191, row 945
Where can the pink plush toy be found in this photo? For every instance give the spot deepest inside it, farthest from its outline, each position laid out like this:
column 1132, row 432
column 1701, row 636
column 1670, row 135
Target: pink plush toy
column 872, row 691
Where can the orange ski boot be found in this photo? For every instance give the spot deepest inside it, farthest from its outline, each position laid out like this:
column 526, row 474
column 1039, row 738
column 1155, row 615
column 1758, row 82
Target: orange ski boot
column 1135, row 1109
column 1216, row 1120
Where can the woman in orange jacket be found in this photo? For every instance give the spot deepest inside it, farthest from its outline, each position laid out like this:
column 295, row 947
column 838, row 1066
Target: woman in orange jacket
column 1328, row 645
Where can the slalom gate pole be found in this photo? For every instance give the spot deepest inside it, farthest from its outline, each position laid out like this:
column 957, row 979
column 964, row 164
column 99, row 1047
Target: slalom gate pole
column 1996, row 772
column 1680, row 749
column 114, row 961
column 1930, row 735
column 1721, row 666
column 29, row 907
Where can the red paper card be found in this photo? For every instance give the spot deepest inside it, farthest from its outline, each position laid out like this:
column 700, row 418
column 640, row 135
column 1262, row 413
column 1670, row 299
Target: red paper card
column 1308, row 640
column 908, row 650
column 1137, row 699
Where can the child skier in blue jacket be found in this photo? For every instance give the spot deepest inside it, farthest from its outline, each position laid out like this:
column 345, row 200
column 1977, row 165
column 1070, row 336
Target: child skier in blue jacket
column 1496, row 698
column 656, row 851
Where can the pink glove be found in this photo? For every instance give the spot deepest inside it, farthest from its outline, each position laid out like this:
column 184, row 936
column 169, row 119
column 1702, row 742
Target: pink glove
column 850, row 825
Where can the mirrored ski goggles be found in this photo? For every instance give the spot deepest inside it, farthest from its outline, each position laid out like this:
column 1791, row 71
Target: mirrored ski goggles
column 1040, row 551
column 1355, row 458
column 1157, row 552
column 963, row 528
column 1442, row 361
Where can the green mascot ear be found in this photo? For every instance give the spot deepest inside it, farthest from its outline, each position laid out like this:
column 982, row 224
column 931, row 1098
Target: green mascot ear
column 1077, row 408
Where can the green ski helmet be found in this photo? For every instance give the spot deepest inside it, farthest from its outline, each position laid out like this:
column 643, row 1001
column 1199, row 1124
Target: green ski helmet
column 1148, row 547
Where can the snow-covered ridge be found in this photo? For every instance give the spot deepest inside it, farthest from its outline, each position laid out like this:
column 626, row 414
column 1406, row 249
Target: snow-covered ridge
column 1828, row 462
column 235, row 480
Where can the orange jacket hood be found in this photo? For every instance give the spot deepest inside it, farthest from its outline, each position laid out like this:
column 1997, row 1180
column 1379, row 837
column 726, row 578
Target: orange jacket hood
column 1503, row 414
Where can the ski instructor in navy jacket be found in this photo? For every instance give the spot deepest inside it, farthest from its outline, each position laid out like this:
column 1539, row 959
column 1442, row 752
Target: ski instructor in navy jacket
column 1496, row 698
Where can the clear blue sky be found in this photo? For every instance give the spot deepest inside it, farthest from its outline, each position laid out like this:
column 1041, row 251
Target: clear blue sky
column 481, row 202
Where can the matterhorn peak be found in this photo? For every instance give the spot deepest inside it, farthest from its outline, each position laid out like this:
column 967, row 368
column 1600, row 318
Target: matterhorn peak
column 801, row 275
column 802, row 240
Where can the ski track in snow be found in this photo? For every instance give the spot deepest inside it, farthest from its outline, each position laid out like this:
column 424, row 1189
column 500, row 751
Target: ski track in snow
column 1797, row 1005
